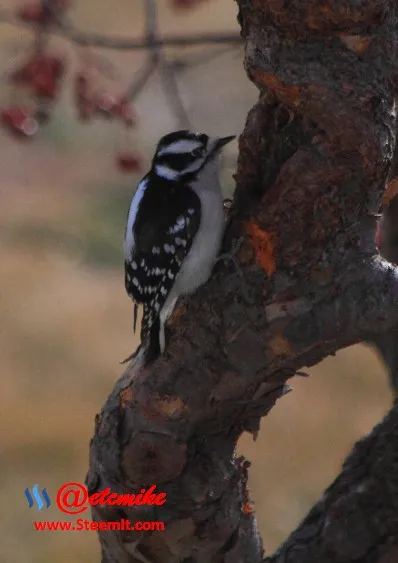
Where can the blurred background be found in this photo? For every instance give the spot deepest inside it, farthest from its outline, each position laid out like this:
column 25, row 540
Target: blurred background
column 66, row 321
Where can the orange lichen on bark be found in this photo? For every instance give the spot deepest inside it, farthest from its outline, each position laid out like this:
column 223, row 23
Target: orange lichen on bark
column 280, row 346
column 356, row 43
column 178, row 312
column 126, row 396
column 261, row 242
column 248, row 508
column 170, row 406
column 282, row 91
column 321, row 276
column 391, row 191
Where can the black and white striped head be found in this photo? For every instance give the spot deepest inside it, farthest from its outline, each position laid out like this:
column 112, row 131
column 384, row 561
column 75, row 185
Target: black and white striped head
column 184, row 153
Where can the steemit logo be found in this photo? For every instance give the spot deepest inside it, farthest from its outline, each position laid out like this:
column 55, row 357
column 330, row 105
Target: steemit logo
column 37, row 497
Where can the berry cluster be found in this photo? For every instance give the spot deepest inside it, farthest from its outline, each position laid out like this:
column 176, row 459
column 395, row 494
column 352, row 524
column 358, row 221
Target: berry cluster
column 39, row 79
column 43, row 12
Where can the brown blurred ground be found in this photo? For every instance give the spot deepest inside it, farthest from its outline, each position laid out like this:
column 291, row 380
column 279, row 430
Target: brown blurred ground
column 66, row 321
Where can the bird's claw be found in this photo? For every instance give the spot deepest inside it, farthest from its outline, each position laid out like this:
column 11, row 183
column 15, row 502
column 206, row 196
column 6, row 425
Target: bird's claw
column 231, row 255
column 132, row 356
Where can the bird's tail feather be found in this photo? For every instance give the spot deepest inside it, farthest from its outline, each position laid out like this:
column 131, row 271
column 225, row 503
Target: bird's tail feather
column 132, row 356
column 150, row 335
column 135, row 316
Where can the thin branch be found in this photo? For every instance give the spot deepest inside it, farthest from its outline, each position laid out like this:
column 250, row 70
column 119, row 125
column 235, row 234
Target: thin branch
column 151, row 21
column 152, row 42
column 157, row 61
column 355, row 518
column 180, row 65
column 172, row 93
column 387, row 342
column 141, row 79
column 68, row 31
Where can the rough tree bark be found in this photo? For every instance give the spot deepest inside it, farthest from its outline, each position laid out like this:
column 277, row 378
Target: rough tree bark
column 387, row 343
column 314, row 159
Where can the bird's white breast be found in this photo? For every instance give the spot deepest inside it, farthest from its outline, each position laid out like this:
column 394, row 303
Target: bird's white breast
column 201, row 258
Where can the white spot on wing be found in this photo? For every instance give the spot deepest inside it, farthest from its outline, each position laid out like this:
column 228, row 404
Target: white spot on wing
column 180, row 241
column 180, row 224
column 129, row 242
column 169, row 248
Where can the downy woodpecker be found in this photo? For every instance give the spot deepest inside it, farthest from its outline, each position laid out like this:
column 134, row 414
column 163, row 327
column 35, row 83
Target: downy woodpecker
column 174, row 230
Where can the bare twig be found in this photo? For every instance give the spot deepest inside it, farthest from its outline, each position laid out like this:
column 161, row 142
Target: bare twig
column 140, row 79
column 167, row 76
column 67, row 31
column 171, row 91
column 156, row 60
column 181, row 64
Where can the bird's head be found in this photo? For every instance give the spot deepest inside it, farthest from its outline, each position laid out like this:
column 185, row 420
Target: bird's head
column 184, row 153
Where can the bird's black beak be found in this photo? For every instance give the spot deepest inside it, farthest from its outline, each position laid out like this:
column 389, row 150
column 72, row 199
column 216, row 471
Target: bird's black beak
column 223, row 141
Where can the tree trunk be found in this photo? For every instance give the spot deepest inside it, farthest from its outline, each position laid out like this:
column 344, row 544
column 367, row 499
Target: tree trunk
column 387, row 343
column 314, row 159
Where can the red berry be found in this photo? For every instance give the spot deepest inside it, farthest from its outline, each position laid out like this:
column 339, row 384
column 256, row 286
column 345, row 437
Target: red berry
column 14, row 115
column 83, row 100
column 81, row 84
column 105, row 104
column 44, row 85
column 31, row 12
column 129, row 162
column 42, row 74
column 20, row 121
column 43, row 12
column 29, row 127
column 124, row 110
column 85, row 109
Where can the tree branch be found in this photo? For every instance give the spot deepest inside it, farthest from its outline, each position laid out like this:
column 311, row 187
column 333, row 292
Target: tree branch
column 314, row 159
column 69, row 32
column 152, row 42
column 387, row 343
column 356, row 518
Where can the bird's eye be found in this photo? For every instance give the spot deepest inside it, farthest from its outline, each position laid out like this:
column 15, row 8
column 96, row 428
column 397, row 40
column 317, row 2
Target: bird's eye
column 197, row 152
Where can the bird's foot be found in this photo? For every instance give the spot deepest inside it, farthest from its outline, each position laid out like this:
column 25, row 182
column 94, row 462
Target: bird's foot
column 135, row 316
column 231, row 255
column 227, row 204
column 132, row 356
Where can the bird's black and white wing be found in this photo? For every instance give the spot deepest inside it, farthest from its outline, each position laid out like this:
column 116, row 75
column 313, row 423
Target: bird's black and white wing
column 157, row 240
